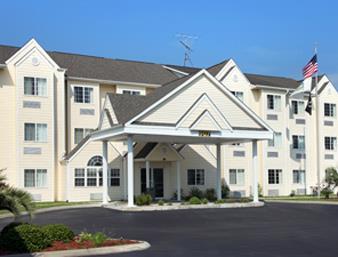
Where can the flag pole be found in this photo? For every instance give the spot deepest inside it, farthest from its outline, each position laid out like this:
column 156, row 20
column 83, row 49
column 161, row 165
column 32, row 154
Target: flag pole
column 317, row 127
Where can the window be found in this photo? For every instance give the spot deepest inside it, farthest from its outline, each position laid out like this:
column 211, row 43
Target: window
column 35, row 86
column 83, row 95
column 95, row 161
column 195, row 177
column 298, row 176
column 274, row 102
column 35, row 178
column 79, row 175
column 36, row 132
column 274, row 176
column 236, row 177
column 330, row 143
column 80, row 133
column 238, row 94
column 297, row 107
column 329, row 110
column 276, row 141
column 115, row 177
column 131, row 92
column 298, row 142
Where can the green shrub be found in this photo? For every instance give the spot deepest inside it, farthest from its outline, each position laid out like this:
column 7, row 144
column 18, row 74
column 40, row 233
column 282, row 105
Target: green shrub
column 25, row 238
column 210, row 194
column 326, row 191
column 195, row 192
column 58, row 232
column 144, row 199
column 225, row 190
column 194, row 200
column 205, row 201
column 219, row 201
column 293, row 193
column 160, row 202
column 10, row 226
column 97, row 238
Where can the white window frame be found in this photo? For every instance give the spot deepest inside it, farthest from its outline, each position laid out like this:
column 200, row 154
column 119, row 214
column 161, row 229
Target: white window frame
column 277, row 175
column 36, row 182
column 238, row 94
column 98, row 176
column 299, row 146
column 83, row 94
column 114, row 176
column 332, row 144
column 237, row 171
column 275, row 107
column 300, row 107
column 332, row 110
column 35, row 86
column 299, row 177
column 131, row 92
column 85, row 132
column 274, row 143
column 195, row 177
column 36, row 140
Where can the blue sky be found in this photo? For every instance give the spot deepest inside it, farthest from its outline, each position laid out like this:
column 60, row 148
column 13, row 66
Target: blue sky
column 267, row 37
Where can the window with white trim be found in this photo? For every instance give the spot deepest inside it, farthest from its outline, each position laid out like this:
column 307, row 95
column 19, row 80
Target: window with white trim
column 196, row 177
column 298, row 176
column 79, row 177
column 35, row 178
column 89, row 177
column 274, row 102
column 274, row 176
column 83, row 94
column 236, row 177
column 35, row 132
column 329, row 110
column 35, row 86
column 276, row 141
column 297, row 107
column 238, row 94
column 114, row 177
column 330, row 143
column 298, row 142
column 131, row 92
column 80, row 133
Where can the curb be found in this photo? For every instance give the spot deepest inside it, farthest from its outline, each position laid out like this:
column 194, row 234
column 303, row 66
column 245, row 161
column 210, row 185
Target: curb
column 143, row 245
column 57, row 208
column 183, row 207
column 302, row 202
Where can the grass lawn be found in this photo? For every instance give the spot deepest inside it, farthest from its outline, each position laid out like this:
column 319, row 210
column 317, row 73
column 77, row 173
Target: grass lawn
column 333, row 198
column 43, row 205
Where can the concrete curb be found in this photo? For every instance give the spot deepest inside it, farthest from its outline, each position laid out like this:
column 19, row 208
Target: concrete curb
column 182, row 207
column 302, row 202
column 57, row 208
column 142, row 245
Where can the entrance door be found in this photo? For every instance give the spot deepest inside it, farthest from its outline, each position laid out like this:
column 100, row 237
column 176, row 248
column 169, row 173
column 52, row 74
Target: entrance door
column 156, row 182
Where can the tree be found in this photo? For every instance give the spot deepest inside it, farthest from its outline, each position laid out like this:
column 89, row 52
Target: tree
column 331, row 179
column 13, row 199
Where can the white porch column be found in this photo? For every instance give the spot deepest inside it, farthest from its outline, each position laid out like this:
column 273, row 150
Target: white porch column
column 68, row 181
column 147, row 176
column 130, row 164
column 218, row 172
column 105, row 172
column 254, row 172
column 178, row 179
column 125, row 179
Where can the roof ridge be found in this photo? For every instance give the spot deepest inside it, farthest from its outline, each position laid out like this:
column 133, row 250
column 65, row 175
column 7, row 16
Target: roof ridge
column 271, row 76
column 225, row 60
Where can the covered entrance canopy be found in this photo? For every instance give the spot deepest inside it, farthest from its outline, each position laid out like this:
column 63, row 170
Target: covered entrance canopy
column 195, row 109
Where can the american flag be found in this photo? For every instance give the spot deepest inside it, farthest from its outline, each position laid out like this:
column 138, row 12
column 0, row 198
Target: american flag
column 311, row 67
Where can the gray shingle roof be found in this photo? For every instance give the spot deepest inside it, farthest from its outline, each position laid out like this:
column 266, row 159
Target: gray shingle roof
column 272, row 81
column 215, row 69
column 100, row 68
column 147, row 148
column 186, row 69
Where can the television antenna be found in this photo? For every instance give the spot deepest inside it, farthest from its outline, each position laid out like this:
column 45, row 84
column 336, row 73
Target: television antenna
column 186, row 41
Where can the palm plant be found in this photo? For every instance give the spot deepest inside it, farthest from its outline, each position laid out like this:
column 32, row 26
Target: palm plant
column 13, row 199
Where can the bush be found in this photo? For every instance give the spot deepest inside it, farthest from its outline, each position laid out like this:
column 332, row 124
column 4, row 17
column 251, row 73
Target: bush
column 10, row 226
column 194, row 200
column 205, row 201
column 97, row 238
column 210, row 194
column 225, row 190
column 293, row 193
column 220, row 201
column 195, row 192
column 58, row 232
column 24, row 238
column 160, row 202
column 144, row 199
column 326, row 191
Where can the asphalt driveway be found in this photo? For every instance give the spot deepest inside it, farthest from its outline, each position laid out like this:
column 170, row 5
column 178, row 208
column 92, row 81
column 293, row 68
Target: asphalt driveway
column 274, row 230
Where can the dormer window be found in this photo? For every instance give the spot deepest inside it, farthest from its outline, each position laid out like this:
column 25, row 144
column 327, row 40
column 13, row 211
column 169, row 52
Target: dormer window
column 131, row 92
column 35, row 86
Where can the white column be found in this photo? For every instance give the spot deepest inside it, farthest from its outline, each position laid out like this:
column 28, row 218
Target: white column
column 130, row 164
column 105, row 172
column 178, row 179
column 218, row 172
column 125, row 179
column 68, row 181
column 147, row 176
column 254, row 172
